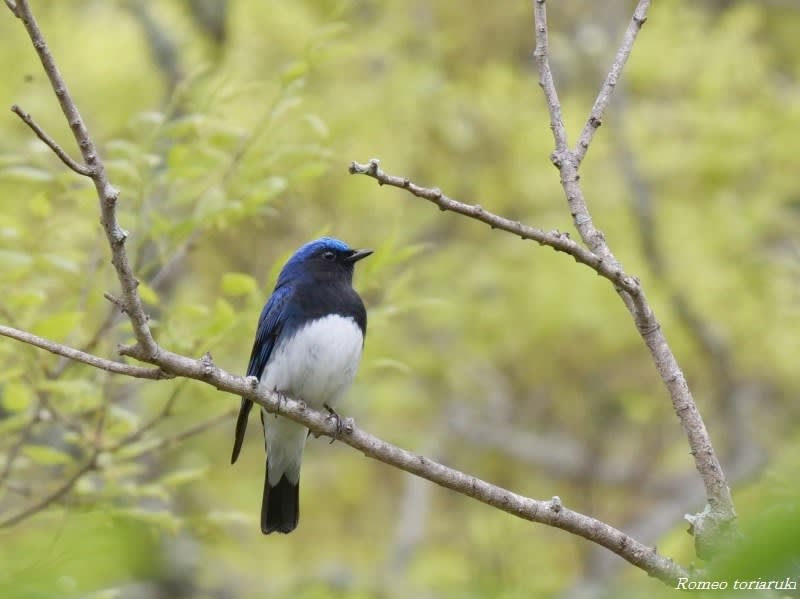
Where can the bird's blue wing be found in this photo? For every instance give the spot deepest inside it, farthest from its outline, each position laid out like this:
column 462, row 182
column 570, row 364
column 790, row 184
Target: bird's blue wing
column 270, row 324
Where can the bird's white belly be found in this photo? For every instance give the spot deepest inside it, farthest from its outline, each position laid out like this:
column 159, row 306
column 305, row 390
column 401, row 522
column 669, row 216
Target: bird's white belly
column 318, row 363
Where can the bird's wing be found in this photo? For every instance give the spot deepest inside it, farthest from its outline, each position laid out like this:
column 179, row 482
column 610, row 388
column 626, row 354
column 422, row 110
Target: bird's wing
column 270, row 324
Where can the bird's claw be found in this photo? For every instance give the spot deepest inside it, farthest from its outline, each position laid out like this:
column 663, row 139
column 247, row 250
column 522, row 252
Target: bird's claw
column 282, row 397
column 334, row 415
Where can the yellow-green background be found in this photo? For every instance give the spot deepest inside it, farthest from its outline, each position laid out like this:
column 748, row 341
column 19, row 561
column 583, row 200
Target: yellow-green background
column 482, row 348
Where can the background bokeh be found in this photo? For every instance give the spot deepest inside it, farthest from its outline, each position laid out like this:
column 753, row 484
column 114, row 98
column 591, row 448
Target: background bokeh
column 228, row 126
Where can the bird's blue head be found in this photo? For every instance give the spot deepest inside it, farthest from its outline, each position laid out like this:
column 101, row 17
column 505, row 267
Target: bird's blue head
column 324, row 259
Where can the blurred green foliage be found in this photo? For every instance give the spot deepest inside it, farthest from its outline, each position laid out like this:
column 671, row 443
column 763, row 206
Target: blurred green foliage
column 236, row 152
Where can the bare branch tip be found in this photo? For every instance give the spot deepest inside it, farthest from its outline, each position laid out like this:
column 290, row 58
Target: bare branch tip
column 127, row 350
column 114, row 300
column 13, row 8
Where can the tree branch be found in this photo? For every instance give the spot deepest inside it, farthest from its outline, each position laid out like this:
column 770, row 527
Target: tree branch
column 139, row 372
column 51, row 143
column 607, row 89
column 59, row 492
column 106, row 193
column 552, row 513
column 716, row 524
column 13, row 452
column 560, row 242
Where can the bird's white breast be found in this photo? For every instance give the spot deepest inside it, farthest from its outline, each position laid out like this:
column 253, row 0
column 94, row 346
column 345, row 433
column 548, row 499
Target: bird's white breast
column 318, row 363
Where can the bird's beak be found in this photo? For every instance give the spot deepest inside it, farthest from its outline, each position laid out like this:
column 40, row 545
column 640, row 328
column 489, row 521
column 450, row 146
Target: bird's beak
column 358, row 255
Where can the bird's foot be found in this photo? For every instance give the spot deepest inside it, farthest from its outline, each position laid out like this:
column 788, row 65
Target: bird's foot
column 334, row 415
column 282, row 397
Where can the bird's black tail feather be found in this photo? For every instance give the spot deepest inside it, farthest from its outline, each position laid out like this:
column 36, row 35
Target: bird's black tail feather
column 280, row 507
column 241, row 427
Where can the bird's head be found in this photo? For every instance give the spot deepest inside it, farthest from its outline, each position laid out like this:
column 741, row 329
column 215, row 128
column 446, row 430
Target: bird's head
column 324, row 259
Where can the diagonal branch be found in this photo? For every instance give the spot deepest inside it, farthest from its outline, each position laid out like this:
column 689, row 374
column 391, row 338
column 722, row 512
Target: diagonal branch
column 560, row 242
column 716, row 524
column 607, row 89
column 51, row 143
column 551, row 513
column 77, row 355
column 59, row 492
column 106, row 193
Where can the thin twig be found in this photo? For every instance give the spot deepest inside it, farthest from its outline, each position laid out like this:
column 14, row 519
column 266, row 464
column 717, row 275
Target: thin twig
column 547, row 84
column 14, row 450
column 64, row 488
column 191, row 431
column 59, row 349
column 12, row 7
column 560, row 242
column 106, row 193
column 607, row 89
column 162, row 415
column 51, row 143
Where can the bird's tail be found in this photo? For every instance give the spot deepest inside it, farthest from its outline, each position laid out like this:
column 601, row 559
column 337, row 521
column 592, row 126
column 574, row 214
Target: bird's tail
column 280, row 506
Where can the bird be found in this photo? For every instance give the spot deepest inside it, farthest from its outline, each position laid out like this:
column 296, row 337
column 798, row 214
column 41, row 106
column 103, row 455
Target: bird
column 308, row 346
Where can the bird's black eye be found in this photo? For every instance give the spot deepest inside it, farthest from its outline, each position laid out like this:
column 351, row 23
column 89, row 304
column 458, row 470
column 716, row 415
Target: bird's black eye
column 329, row 256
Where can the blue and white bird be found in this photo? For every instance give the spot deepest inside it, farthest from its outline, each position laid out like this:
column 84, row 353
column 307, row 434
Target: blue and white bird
column 308, row 346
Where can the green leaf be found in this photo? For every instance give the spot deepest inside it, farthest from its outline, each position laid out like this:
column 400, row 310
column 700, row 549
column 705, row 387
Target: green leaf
column 148, row 119
column 222, row 318
column 237, row 283
column 284, row 106
column 27, row 174
column 390, row 364
column 40, row 206
column 9, row 374
column 123, row 172
column 16, row 397
column 148, row 294
column 13, row 423
column 61, row 262
column 80, row 393
column 181, row 477
column 46, row 455
column 12, row 260
column 318, row 125
column 121, row 421
column 310, row 170
column 229, row 517
column 58, row 325
column 294, row 71
column 162, row 519
column 26, row 298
